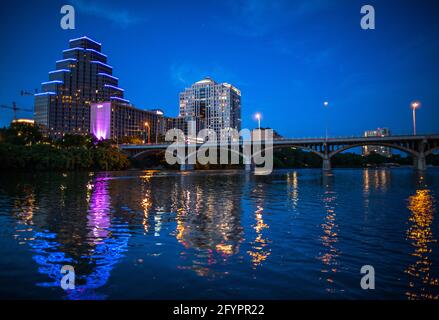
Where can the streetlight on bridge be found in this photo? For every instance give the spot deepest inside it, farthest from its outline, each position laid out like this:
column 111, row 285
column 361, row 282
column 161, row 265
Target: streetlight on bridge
column 415, row 105
column 326, row 105
column 258, row 117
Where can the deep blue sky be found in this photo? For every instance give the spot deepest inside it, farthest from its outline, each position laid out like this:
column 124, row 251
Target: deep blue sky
column 286, row 56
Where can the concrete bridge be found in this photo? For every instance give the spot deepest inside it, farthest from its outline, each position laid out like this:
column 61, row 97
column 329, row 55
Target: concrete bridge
column 419, row 146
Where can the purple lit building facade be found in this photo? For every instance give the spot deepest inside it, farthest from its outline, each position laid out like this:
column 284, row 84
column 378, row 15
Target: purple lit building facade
column 110, row 120
column 100, row 120
column 83, row 78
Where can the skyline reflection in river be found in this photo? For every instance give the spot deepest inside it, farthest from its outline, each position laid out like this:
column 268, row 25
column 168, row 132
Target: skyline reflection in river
column 152, row 235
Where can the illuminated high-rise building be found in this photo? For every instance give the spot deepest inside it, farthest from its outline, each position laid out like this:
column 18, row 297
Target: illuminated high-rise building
column 212, row 105
column 83, row 78
column 80, row 78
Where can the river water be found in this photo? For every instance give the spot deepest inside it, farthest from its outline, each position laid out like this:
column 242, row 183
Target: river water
column 296, row 234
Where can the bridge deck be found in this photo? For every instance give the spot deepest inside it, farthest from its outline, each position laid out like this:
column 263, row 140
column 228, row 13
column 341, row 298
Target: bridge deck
column 301, row 141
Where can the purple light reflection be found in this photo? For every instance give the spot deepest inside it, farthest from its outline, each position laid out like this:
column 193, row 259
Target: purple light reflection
column 99, row 212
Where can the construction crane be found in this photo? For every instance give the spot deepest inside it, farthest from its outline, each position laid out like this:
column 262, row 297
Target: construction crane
column 14, row 108
column 27, row 93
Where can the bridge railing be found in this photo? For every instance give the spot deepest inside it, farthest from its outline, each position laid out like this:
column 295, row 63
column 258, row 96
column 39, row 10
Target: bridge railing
column 319, row 139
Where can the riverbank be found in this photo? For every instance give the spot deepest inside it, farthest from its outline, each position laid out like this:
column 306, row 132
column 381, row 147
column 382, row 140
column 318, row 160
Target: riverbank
column 24, row 148
column 46, row 157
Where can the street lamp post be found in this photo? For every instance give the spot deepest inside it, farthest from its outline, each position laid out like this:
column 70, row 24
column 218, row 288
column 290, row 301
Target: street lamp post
column 415, row 105
column 258, row 117
column 149, row 132
column 326, row 105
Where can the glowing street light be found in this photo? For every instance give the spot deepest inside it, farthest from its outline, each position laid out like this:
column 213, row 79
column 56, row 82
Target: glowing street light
column 149, row 131
column 415, row 105
column 258, row 117
column 326, row 105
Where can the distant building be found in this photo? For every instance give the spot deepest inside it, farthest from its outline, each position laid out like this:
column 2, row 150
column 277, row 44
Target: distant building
column 24, row 121
column 381, row 150
column 81, row 79
column 184, row 124
column 179, row 123
column 212, row 105
column 261, row 134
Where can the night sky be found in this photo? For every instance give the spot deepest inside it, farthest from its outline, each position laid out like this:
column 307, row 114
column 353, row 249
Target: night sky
column 287, row 57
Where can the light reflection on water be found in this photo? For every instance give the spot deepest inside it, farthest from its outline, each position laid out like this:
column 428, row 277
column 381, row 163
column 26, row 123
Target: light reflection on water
column 421, row 280
column 295, row 234
column 329, row 237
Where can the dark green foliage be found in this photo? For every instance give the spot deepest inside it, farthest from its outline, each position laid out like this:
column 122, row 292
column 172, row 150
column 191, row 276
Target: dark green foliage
column 295, row 158
column 433, row 159
column 347, row 160
column 23, row 148
column 21, row 134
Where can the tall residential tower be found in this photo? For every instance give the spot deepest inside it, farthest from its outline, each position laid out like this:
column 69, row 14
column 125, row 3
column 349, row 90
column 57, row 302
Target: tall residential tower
column 212, row 105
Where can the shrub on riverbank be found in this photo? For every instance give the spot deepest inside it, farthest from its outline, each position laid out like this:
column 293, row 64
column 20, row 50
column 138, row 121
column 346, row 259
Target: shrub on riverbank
column 44, row 157
column 23, row 148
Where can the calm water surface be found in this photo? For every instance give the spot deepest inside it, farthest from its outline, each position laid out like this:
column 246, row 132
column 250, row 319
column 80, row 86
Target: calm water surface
column 152, row 235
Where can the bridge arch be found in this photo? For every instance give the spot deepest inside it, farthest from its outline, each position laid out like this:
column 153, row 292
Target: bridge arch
column 381, row 144
column 232, row 150
column 187, row 156
column 141, row 153
column 320, row 154
column 239, row 153
column 431, row 151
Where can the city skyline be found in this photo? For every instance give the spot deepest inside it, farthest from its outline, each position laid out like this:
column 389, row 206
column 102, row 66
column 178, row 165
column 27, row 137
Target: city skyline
column 82, row 97
column 211, row 159
column 369, row 77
